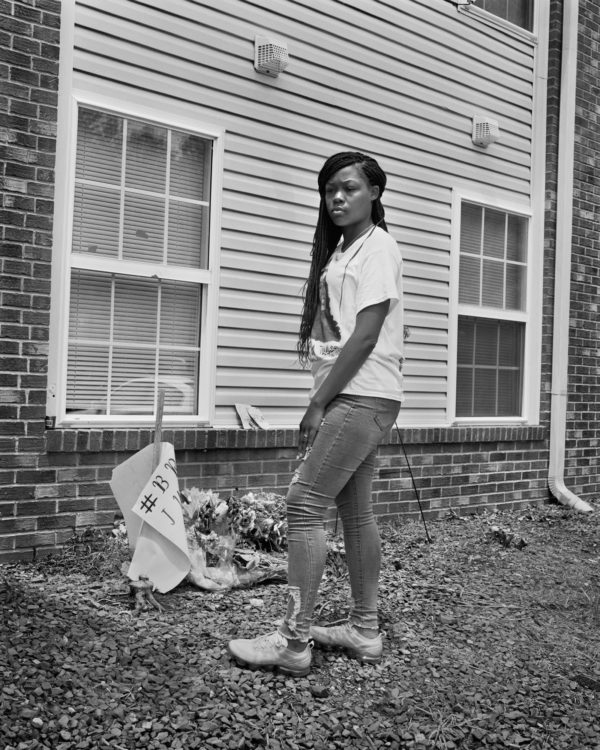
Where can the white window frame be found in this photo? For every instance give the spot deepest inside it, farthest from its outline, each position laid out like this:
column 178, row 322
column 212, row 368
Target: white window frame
column 529, row 315
column 185, row 118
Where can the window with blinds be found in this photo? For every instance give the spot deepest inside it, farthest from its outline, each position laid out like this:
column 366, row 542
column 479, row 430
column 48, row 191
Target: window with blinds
column 492, row 312
column 139, row 265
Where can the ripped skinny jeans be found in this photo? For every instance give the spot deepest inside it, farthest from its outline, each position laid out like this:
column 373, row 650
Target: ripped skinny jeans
column 339, row 468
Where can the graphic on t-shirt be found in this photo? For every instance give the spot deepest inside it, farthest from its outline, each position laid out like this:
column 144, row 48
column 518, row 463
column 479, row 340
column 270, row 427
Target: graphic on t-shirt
column 325, row 335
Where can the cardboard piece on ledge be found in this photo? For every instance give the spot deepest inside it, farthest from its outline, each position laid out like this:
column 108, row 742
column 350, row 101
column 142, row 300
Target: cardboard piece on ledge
column 251, row 417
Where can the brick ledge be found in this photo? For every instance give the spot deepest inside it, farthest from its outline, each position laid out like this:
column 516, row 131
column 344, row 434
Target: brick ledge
column 133, row 439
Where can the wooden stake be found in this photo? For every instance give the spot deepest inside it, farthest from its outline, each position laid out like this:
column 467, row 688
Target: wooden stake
column 160, row 408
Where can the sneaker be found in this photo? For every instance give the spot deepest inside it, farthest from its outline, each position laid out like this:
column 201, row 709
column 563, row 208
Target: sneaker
column 346, row 636
column 271, row 652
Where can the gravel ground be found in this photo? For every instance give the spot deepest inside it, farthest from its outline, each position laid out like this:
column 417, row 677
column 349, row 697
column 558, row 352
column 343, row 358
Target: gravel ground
column 493, row 641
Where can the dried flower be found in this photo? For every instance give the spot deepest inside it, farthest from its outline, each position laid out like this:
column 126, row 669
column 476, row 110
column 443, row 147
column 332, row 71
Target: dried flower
column 256, row 517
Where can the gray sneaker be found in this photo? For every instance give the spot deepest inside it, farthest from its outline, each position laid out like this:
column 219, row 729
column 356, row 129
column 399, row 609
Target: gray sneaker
column 271, row 652
column 346, row 636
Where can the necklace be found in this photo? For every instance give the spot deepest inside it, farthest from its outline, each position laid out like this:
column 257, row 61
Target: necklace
column 339, row 251
column 356, row 252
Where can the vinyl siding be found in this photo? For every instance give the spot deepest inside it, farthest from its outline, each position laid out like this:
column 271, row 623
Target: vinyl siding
column 399, row 79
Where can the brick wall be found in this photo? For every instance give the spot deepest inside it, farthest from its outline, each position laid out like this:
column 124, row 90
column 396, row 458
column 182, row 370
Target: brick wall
column 463, row 469
column 29, row 46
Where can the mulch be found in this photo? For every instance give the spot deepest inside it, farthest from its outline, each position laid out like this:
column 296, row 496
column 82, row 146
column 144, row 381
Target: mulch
column 492, row 641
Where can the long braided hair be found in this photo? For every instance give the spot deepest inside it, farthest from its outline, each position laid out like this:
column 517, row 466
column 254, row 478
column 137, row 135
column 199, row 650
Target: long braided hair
column 327, row 234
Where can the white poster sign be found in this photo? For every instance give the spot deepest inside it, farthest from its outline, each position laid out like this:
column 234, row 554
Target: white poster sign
column 151, row 505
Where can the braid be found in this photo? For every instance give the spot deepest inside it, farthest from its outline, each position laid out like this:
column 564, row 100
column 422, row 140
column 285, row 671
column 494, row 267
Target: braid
column 327, row 235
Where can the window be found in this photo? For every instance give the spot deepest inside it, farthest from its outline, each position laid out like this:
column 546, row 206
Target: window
column 519, row 12
column 139, row 267
column 492, row 312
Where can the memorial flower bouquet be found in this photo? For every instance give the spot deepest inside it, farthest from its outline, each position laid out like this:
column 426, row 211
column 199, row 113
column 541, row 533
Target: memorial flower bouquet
column 256, row 518
column 225, row 537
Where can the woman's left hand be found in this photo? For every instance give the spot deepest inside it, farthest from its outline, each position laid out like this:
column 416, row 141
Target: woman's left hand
column 309, row 426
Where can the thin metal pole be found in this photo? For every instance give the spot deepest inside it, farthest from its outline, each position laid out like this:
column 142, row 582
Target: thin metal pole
column 414, row 484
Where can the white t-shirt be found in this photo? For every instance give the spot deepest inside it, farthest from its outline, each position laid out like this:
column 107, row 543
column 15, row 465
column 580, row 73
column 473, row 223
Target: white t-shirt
column 368, row 272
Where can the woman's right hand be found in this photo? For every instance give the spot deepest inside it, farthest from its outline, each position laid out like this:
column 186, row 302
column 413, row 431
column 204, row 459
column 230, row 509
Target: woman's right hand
column 309, row 426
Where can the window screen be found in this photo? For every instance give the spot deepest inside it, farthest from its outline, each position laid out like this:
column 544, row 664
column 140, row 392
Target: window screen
column 490, row 368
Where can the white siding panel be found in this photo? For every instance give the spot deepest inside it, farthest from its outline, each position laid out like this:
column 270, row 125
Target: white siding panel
column 226, row 24
column 272, row 247
column 291, row 380
column 438, row 149
column 262, row 284
column 422, row 270
column 400, row 79
column 281, row 345
column 265, row 264
column 228, row 397
column 421, row 356
column 244, row 300
column 420, row 287
column 259, row 359
column 424, row 384
column 419, row 372
column 427, row 320
column 253, row 322
column 406, row 177
column 437, row 161
column 426, row 303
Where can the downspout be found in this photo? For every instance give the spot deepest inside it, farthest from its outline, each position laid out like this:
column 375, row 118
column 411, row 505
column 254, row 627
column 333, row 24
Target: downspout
column 562, row 271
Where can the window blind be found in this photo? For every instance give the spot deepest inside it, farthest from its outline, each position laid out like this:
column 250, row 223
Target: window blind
column 143, row 334
column 489, row 368
column 493, row 251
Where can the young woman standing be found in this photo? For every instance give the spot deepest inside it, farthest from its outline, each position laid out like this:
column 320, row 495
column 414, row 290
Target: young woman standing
column 352, row 333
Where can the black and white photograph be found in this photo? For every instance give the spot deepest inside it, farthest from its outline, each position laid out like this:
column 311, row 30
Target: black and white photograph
column 300, row 375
